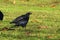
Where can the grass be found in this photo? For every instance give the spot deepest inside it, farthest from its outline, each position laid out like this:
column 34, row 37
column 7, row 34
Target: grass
column 44, row 23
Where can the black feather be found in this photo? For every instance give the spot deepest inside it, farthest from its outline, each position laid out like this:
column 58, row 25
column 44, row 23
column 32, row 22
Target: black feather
column 21, row 20
column 1, row 16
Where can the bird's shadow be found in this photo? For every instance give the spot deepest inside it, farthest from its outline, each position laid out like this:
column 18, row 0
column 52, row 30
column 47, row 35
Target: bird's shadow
column 19, row 29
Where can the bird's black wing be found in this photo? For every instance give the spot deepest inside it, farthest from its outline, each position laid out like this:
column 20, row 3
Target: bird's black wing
column 22, row 23
column 18, row 19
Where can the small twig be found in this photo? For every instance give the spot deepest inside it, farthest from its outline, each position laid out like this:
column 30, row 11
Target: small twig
column 5, row 28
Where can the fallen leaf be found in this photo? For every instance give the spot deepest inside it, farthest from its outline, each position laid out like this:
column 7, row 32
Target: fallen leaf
column 42, row 27
column 53, row 5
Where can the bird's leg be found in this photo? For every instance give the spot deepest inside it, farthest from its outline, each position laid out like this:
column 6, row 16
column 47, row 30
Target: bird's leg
column 25, row 28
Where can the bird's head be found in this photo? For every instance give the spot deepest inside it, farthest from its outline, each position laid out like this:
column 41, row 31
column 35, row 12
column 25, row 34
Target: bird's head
column 29, row 13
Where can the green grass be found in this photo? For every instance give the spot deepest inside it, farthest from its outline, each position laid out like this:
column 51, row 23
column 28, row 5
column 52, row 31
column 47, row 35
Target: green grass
column 44, row 23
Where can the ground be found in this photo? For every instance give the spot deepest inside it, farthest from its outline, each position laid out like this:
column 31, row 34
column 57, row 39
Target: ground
column 44, row 23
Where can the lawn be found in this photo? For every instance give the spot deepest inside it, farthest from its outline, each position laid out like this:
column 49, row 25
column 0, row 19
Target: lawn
column 44, row 23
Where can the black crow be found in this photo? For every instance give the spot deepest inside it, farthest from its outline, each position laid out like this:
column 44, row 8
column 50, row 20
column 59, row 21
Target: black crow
column 22, row 20
column 1, row 16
